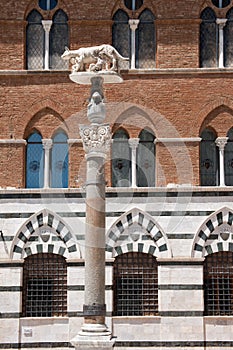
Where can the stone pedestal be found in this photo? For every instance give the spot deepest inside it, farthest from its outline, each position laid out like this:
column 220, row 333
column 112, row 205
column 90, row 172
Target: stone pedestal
column 96, row 139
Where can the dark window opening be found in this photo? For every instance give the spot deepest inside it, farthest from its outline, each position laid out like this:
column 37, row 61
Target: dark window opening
column 44, row 286
column 135, row 285
column 218, row 284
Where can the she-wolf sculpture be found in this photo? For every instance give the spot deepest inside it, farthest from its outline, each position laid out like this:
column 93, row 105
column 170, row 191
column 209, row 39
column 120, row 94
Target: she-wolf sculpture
column 95, row 58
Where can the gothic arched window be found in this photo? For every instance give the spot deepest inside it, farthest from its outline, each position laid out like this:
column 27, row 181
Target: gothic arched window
column 209, row 163
column 121, row 160
column 145, row 42
column 228, row 159
column 35, row 41
column 58, row 40
column 208, row 39
column 60, row 161
column 135, row 285
column 228, row 42
column 121, row 35
column 46, row 39
column 218, row 284
column 34, row 161
column 146, row 160
column 44, row 285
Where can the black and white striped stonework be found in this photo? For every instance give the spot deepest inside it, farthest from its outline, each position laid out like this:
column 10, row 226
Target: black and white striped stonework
column 44, row 232
column 137, row 231
column 215, row 234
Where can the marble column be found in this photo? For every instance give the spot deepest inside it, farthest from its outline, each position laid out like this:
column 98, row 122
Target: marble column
column 96, row 139
column 133, row 23
column 221, row 23
column 47, row 26
column 47, row 145
column 133, row 144
column 221, row 142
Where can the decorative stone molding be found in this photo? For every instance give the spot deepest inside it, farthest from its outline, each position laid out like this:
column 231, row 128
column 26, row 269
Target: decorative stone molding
column 47, row 143
column 133, row 143
column 17, row 141
column 221, row 142
column 96, row 138
column 47, row 25
column 177, row 139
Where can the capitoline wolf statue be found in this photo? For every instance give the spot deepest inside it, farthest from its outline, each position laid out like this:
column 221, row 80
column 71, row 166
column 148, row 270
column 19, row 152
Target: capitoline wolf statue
column 96, row 58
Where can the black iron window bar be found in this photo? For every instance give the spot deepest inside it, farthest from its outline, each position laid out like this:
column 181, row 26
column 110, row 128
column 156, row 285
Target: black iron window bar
column 135, row 285
column 44, row 286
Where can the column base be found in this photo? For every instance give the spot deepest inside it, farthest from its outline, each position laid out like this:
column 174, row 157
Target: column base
column 93, row 336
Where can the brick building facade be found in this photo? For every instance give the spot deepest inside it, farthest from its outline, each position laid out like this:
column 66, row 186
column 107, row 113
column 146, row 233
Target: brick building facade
column 169, row 173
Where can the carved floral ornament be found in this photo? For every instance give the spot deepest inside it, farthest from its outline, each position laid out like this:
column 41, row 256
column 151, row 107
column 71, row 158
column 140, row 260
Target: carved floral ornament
column 96, row 138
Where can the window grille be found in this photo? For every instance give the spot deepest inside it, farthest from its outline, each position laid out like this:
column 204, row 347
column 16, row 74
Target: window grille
column 218, row 284
column 121, row 36
column 228, row 45
column 145, row 41
column 58, row 40
column 44, row 286
column 135, row 285
column 208, row 39
column 35, row 41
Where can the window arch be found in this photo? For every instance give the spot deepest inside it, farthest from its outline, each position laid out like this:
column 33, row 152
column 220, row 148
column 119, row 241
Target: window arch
column 60, row 161
column 209, row 159
column 121, row 159
column 218, row 284
column 34, row 41
column 208, row 39
column 135, row 285
column 146, row 160
column 44, row 285
column 34, row 161
column 145, row 43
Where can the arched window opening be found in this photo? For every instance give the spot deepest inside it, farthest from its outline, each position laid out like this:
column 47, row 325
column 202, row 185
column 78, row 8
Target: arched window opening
column 47, row 4
column 44, row 285
column 208, row 39
column 145, row 41
column 58, row 40
column 228, row 159
column 228, row 42
column 121, row 36
column 121, row 160
column 133, row 4
column 34, row 41
column 34, row 161
column 135, row 285
column 221, row 3
column 209, row 159
column 218, row 284
column 60, row 161
column 146, row 160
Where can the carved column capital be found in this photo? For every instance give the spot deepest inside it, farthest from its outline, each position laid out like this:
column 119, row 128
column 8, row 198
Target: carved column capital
column 221, row 22
column 221, row 142
column 96, row 138
column 47, row 143
column 47, row 23
column 133, row 23
column 133, row 143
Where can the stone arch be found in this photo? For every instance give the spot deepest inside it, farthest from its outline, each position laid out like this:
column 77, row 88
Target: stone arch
column 44, row 232
column 137, row 231
column 213, row 119
column 215, row 234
